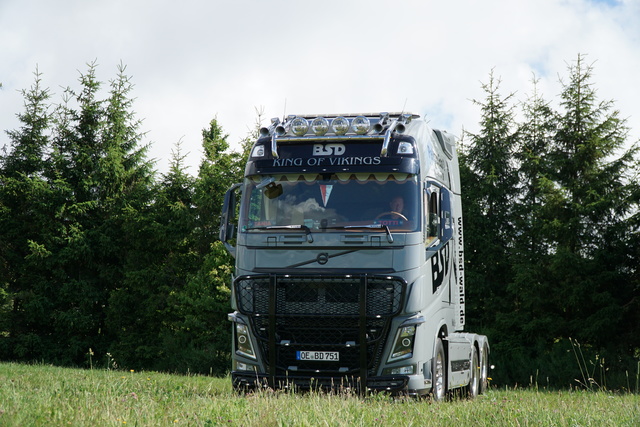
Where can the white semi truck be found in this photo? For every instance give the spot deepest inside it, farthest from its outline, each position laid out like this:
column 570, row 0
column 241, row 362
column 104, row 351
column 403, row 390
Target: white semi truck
column 349, row 257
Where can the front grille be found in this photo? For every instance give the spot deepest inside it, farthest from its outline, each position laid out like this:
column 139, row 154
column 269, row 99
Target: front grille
column 320, row 295
column 313, row 313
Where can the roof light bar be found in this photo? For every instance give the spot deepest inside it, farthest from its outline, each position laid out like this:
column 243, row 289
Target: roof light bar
column 331, row 126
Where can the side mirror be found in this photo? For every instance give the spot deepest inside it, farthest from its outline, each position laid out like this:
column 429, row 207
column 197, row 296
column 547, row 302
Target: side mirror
column 228, row 217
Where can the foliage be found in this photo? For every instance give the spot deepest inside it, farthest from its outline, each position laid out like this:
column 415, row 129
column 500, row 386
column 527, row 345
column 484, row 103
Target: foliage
column 95, row 252
column 567, row 268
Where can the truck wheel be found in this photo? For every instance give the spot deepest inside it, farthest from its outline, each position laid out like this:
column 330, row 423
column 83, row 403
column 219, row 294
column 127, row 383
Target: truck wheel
column 473, row 389
column 484, row 369
column 439, row 374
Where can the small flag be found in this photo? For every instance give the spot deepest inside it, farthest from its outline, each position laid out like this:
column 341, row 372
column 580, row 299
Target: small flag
column 325, row 190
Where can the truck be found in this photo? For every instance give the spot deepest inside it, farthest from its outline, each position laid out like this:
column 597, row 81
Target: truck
column 347, row 235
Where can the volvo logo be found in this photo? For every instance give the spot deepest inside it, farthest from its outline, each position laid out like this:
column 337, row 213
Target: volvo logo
column 322, row 258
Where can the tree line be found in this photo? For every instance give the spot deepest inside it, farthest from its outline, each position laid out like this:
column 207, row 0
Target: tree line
column 550, row 200
column 103, row 261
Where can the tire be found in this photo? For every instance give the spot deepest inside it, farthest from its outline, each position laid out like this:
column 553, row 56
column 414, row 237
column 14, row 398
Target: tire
column 439, row 373
column 484, row 369
column 473, row 388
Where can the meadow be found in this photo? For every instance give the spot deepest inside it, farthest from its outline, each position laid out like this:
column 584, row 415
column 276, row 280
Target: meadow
column 38, row 395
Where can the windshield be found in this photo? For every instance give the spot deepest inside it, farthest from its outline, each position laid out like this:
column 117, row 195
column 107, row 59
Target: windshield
column 331, row 201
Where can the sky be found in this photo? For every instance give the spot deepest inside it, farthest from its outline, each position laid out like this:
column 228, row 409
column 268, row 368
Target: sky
column 195, row 60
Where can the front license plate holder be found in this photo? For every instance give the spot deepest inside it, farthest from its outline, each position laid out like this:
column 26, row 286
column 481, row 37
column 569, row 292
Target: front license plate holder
column 318, row 356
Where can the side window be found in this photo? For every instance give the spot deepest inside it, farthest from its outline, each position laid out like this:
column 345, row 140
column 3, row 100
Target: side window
column 446, row 226
column 431, row 214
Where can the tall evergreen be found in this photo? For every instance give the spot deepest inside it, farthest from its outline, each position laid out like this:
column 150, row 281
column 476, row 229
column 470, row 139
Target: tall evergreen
column 160, row 259
column 590, row 227
column 27, row 227
column 554, row 257
column 92, row 171
column 489, row 181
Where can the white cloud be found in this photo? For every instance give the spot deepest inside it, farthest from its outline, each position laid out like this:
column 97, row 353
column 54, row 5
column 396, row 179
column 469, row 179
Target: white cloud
column 199, row 59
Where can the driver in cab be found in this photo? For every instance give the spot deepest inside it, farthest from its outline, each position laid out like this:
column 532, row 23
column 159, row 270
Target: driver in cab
column 395, row 213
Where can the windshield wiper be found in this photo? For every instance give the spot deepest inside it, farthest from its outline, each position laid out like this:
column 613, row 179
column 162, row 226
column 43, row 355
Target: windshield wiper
column 306, row 229
column 374, row 226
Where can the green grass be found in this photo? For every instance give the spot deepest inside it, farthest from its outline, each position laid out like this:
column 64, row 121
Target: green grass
column 45, row 395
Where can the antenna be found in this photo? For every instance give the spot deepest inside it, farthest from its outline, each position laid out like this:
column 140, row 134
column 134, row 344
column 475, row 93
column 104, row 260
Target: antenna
column 405, row 105
column 284, row 111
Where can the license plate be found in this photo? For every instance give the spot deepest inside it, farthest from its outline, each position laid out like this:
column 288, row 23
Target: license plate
column 322, row 356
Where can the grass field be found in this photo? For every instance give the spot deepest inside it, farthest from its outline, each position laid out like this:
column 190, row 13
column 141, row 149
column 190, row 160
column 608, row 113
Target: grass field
column 41, row 395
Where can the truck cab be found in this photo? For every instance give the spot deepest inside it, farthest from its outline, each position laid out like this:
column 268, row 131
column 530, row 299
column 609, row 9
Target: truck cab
column 349, row 259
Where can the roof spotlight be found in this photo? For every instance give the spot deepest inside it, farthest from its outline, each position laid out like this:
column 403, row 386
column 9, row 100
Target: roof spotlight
column 361, row 125
column 320, row 126
column 299, row 126
column 340, row 125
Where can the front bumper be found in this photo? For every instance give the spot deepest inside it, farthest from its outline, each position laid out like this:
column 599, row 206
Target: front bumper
column 393, row 384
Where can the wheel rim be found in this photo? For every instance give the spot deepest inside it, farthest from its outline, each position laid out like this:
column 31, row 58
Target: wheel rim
column 484, row 372
column 475, row 375
column 439, row 377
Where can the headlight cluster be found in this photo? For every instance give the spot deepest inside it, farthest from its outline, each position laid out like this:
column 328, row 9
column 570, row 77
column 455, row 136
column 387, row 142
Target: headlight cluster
column 403, row 346
column 243, row 341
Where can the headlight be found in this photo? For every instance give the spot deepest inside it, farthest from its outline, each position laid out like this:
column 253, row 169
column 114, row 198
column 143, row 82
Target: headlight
column 243, row 341
column 403, row 346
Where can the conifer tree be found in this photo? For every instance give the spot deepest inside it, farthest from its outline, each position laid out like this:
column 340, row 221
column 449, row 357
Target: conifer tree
column 26, row 229
column 161, row 258
column 590, row 229
column 489, row 181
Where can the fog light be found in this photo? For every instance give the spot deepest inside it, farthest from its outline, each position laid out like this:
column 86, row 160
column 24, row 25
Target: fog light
column 245, row 367
column 400, row 370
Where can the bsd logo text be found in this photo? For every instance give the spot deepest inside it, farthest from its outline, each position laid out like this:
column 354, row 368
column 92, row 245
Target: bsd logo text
column 328, row 150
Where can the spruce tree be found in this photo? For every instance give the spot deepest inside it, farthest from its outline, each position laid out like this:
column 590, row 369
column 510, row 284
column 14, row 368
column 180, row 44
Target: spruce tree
column 591, row 230
column 27, row 232
column 489, row 190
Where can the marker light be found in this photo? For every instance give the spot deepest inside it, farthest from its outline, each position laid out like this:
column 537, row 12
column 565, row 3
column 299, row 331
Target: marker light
column 361, row 125
column 258, row 151
column 405, row 148
column 320, row 126
column 340, row 125
column 299, row 126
